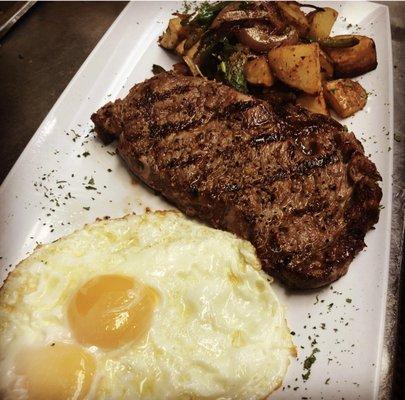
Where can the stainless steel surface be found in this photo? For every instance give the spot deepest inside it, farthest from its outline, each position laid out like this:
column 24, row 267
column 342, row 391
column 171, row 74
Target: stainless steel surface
column 390, row 368
column 14, row 16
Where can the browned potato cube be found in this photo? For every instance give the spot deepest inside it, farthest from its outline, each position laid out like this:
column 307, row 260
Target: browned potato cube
column 321, row 22
column 355, row 60
column 326, row 64
column 169, row 40
column 298, row 66
column 345, row 96
column 315, row 104
column 294, row 15
column 257, row 72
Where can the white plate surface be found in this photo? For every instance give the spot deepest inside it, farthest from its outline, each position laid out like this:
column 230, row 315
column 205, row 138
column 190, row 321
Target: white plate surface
column 44, row 196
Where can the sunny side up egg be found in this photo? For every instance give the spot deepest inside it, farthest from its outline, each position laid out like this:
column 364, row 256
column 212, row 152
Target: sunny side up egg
column 145, row 307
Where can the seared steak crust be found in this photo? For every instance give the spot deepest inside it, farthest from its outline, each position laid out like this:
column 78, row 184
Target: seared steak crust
column 296, row 184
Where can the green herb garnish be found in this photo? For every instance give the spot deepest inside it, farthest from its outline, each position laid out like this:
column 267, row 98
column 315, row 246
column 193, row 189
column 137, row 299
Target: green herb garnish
column 233, row 70
column 309, row 362
column 207, row 12
column 157, row 69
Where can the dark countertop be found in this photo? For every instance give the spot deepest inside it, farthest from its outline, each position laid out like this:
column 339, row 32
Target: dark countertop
column 38, row 58
column 42, row 52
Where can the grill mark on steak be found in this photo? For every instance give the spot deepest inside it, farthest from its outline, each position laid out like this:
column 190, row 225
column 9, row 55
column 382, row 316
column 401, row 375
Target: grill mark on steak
column 238, row 107
column 313, row 207
column 156, row 130
column 151, row 97
column 288, row 132
column 295, row 184
column 320, row 161
column 178, row 163
column 302, row 168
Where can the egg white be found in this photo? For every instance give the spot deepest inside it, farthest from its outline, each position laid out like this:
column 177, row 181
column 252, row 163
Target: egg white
column 218, row 331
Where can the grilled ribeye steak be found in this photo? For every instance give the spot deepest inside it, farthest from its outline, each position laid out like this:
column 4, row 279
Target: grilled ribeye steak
column 296, row 184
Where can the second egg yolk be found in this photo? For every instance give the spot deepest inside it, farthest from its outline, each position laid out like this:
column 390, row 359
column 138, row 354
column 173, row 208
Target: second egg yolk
column 58, row 371
column 109, row 311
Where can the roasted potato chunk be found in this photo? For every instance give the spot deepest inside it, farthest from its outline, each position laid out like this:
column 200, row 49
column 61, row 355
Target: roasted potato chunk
column 170, row 39
column 355, row 60
column 257, row 72
column 298, row 66
column 295, row 16
column 326, row 65
column 345, row 96
column 321, row 22
column 315, row 104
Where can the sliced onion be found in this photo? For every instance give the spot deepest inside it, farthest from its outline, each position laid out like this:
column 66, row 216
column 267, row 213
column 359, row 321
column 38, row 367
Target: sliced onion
column 260, row 38
column 260, row 11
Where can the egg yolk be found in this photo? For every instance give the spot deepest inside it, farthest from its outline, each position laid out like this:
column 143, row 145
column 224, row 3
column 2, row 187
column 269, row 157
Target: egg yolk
column 56, row 372
column 111, row 310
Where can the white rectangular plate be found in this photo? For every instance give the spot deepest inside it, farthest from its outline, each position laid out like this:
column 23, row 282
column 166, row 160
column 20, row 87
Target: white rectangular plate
column 44, row 196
